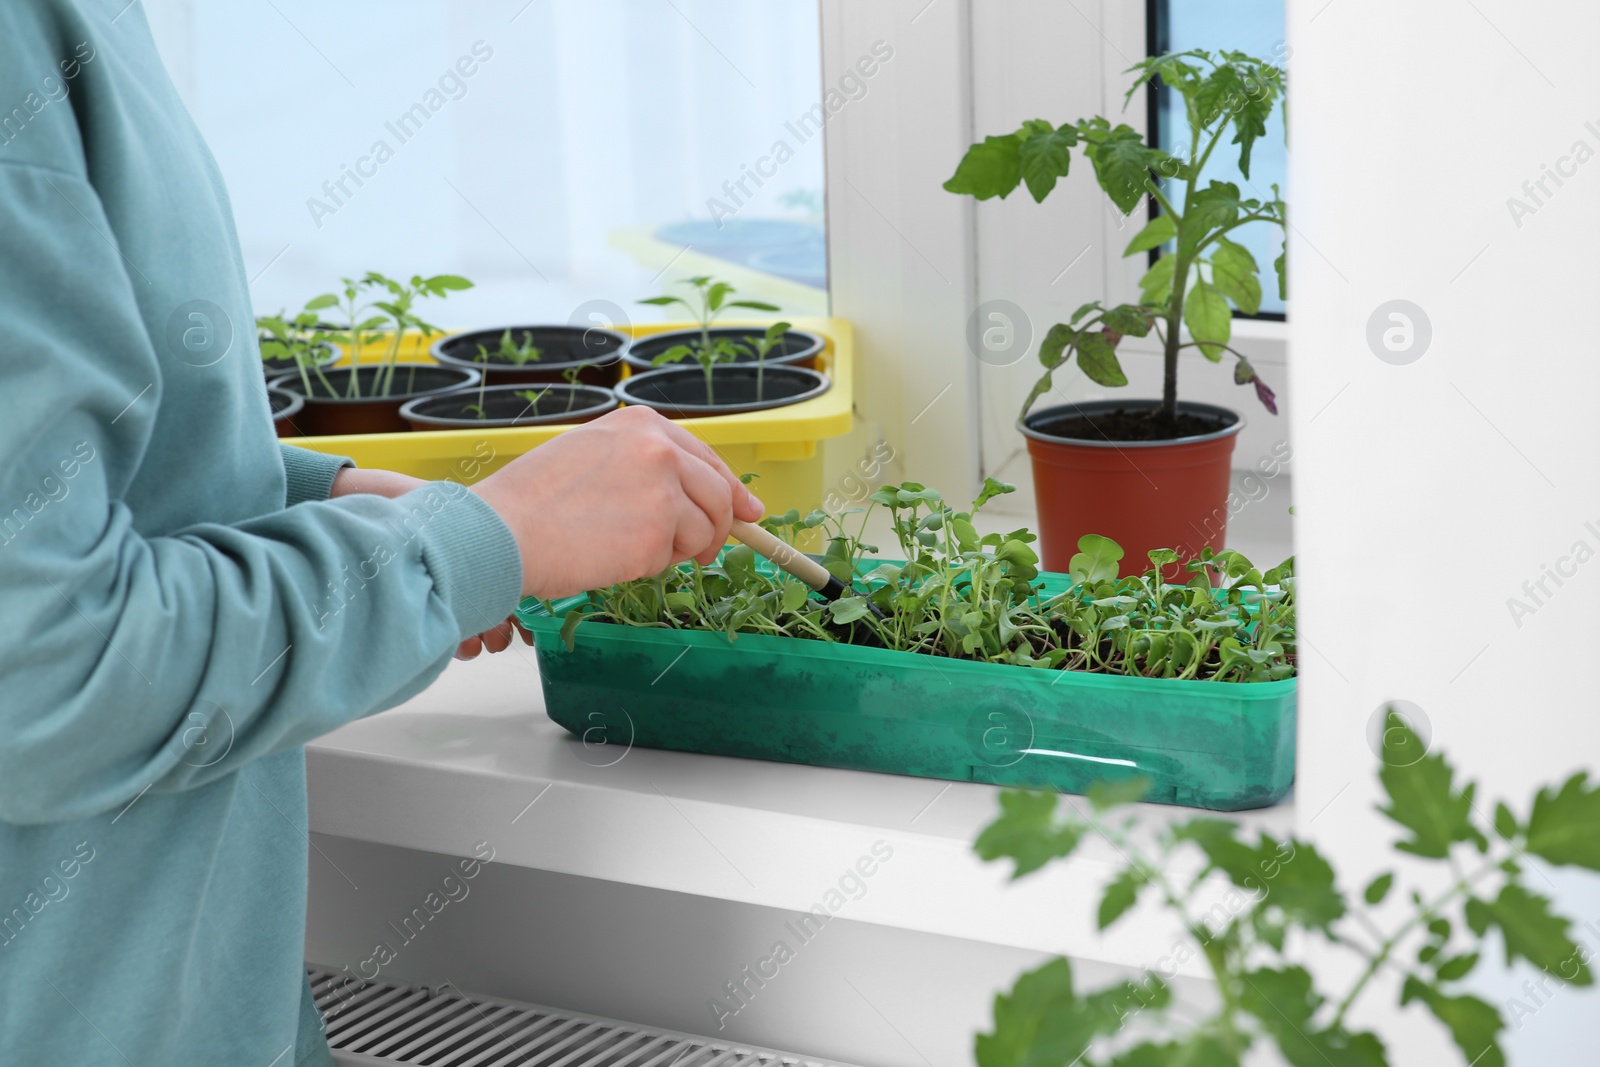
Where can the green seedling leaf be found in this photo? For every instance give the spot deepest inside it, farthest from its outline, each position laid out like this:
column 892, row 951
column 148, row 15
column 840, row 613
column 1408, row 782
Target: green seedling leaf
column 1158, row 232
column 1121, row 894
column 1016, row 552
column 794, row 596
column 1052, row 349
column 1531, row 931
column 1206, row 313
column 966, row 534
column 569, row 624
column 1027, row 832
column 739, row 564
column 1233, row 271
column 1378, row 888
column 1042, row 1022
column 992, row 168
column 1422, row 798
column 1209, row 209
column 1129, row 319
column 1505, row 823
column 1474, row 1024
column 1562, row 826
column 1097, row 358
column 1456, row 967
column 1156, row 285
column 1044, row 157
column 992, row 488
column 1122, row 164
column 848, row 609
column 1284, row 1001
column 1199, row 1050
column 1096, row 560
column 1093, row 305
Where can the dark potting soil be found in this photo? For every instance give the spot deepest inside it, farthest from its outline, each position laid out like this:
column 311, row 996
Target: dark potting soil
column 508, row 405
column 1130, row 424
column 556, row 344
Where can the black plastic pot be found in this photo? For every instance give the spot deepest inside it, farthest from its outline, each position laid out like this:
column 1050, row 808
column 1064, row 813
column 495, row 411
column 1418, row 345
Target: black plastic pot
column 680, row 392
column 798, row 348
column 331, row 354
column 286, row 407
column 559, row 404
column 325, row 415
column 561, row 349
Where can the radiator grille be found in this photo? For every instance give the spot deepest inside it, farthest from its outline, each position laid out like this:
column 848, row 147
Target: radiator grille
column 375, row 1023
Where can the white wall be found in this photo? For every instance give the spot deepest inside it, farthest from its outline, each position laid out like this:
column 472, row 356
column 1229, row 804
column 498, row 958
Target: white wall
column 1428, row 492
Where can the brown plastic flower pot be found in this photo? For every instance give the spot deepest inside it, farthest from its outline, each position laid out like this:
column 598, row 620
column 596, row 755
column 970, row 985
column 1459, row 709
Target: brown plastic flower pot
column 797, row 348
column 286, row 408
column 1169, row 493
column 325, row 415
column 503, row 406
column 561, row 349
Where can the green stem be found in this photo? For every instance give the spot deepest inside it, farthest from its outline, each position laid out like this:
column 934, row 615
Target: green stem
column 1386, row 947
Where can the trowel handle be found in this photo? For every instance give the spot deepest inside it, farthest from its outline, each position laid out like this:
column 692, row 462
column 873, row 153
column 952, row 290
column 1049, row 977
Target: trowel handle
column 783, row 555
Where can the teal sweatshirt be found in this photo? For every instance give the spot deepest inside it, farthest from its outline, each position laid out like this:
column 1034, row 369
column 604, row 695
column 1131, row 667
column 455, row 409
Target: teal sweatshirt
column 181, row 608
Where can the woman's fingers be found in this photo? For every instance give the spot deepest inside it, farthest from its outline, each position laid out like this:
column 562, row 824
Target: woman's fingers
column 711, row 495
column 745, row 504
column 496, row 640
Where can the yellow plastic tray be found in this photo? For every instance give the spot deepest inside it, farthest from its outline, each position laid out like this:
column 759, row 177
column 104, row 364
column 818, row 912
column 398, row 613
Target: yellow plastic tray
column 780, row 445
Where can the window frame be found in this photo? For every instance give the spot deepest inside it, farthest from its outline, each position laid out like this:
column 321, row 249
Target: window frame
column 963, row 80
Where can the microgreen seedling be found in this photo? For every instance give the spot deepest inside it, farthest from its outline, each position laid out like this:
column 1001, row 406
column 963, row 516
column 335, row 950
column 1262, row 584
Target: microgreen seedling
column 967, row 596
column 1195, row 283
column 713, row 302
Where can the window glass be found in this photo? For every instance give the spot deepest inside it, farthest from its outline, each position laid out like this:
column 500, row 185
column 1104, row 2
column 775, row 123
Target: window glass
column 1255, row 27
column 563, row 154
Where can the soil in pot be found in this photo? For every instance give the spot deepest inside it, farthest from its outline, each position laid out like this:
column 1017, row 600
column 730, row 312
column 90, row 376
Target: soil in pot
column 561, row 349
column 682, row 393
column 326, row 415
column 799, row 348
column 505, row 405
column 286, row 408
column 1130, row 424
column 1108, row 468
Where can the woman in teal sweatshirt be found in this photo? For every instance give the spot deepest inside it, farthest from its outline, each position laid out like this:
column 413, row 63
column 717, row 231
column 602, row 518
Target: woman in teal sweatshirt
column 165, row 651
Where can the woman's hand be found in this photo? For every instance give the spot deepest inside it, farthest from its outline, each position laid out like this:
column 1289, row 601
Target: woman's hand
column 623, row 497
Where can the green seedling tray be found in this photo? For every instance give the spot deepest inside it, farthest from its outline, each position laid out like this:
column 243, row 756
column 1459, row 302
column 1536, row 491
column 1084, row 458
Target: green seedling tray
column 1223, row 746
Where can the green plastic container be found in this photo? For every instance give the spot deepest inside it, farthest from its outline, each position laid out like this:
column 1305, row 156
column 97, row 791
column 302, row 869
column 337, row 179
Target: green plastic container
column 1225, row 746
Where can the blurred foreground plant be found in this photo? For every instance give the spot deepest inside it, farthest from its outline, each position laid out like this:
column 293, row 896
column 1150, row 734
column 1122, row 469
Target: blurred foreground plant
column 1264, row 997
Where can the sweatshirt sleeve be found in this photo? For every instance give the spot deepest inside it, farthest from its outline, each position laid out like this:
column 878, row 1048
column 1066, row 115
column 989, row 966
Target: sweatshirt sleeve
column 310, row 474
column 137, row 662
